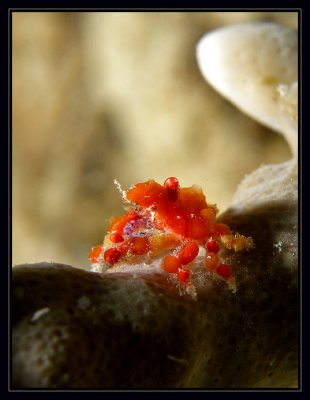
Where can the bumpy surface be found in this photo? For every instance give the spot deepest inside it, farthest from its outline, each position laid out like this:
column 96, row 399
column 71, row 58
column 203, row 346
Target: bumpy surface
column 256, row 67
column 135, row 331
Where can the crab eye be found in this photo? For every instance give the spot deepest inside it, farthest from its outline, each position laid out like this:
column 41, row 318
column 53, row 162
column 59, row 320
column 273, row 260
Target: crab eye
column 172, row 186
column 171, row 183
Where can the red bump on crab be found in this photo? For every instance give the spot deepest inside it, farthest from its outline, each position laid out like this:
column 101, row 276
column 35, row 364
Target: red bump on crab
column 116, row 237
column 183, row 275
column 213, row 246
column 171, row 264
column 224, row 270
column 112, row 255
column 188, row 253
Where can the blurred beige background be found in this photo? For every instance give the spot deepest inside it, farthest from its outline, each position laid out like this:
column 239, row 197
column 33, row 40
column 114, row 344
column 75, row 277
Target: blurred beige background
column 104, row 95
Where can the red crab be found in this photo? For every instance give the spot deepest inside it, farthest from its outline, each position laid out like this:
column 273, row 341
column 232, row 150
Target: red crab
column 168, row 218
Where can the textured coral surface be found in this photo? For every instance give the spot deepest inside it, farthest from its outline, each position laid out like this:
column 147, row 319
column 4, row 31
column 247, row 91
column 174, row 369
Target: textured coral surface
column 136, row 331
column 79, row 329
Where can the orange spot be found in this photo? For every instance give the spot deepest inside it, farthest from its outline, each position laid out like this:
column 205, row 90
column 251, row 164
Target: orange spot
column 94, row 254
column 242, row 242
column 139, row 245
column 237, row 242
column 188, row 253
column 227, row 241
column 171, row 264
column 211, row 261
column 208, row 213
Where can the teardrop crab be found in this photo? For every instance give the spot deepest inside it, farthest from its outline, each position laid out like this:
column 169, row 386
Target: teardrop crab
column 174, row 223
